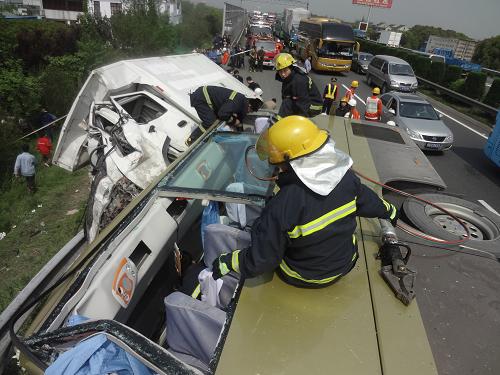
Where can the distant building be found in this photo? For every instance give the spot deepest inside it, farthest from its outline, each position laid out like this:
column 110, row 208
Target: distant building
column 462, row 49
column 69, row 10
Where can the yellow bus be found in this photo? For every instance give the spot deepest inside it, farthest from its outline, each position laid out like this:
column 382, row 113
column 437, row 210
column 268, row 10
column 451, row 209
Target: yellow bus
column 329, row 43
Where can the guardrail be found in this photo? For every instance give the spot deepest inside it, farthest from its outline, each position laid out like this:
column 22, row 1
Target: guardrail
column 491, row 71
column 462, row 98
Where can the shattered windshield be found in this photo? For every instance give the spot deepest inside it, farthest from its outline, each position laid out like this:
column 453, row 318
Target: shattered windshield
column 218, row 166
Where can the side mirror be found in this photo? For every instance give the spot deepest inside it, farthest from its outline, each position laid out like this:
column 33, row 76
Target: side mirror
column 440, row 115
column 392, row 111
column 392, row 123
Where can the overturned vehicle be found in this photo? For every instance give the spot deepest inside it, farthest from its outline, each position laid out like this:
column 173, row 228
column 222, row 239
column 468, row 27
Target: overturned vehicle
column 130, row 120
column 135, row 299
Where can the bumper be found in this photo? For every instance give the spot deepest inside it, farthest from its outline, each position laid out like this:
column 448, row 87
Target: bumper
column 404, row 88
column 433, row 146
column 331, row 67
column 268, row 63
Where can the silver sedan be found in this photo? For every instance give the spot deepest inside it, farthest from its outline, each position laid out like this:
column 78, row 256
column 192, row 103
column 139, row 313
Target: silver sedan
column 418, row 118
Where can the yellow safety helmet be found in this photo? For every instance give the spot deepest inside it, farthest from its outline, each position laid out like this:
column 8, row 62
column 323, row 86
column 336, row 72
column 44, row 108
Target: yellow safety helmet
column 284, row 60
column 354, row 84
column 290, row 138
column 344, row 99
column 376, row 91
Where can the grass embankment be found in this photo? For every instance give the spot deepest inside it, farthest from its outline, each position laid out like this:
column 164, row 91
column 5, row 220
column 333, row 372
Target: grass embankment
column 37, row 225
column 475, row 113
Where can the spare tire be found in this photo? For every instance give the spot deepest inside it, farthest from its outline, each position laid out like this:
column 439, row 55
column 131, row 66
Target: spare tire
column 483, row 224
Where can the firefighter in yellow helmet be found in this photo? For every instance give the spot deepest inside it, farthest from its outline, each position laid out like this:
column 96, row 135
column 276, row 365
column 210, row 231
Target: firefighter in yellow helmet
column 306, row 231
column 299, row 94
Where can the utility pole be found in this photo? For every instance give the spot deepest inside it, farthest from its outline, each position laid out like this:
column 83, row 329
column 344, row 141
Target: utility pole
column 368, row 19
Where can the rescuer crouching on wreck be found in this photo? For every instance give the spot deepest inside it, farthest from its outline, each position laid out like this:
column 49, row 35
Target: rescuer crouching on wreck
column 306, row 231
column 213, row 103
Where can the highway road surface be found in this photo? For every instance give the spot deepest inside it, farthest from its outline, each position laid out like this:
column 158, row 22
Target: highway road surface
column 458, row 295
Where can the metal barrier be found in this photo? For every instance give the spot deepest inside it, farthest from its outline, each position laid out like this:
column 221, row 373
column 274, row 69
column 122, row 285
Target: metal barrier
column 462, row 98
column 234, row 22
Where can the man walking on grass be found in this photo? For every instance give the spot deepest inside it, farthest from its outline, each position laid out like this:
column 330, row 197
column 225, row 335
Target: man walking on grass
column 25, row 166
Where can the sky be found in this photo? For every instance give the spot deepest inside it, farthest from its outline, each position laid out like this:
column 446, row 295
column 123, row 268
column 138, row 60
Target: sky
column 478, row 19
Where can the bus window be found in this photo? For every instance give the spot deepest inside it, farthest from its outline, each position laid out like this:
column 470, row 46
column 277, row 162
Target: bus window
column 335, row 49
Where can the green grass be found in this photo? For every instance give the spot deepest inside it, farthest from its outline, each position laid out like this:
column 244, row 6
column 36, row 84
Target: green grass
column 476, row 114
column 33, row 237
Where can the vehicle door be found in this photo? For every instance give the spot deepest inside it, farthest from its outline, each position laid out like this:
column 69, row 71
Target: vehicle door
column 388, row 109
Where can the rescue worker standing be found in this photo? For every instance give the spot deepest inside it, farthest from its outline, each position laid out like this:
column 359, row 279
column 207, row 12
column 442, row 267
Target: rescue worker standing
column 306, row 231
column 351, row 91
column 329, row 96
column 214, row 103
column 299, row 93
column 373, row 110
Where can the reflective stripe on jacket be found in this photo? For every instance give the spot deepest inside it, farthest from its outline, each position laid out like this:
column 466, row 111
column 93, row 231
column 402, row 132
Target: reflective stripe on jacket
column 373, row 108
column 300, row 88
column 308, row 236
column 331, row 91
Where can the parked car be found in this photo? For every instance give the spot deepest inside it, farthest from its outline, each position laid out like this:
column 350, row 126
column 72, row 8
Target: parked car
column 391, row 73
column 360, row 62
column 419, row 119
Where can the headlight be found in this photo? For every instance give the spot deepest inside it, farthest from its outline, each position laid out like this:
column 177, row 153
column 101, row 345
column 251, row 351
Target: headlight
column 415, row 84
column 449, row 138
column 413, row 134
column 394, row 83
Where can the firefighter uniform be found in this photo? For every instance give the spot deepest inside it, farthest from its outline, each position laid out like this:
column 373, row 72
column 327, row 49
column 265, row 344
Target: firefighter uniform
column 329, row 96
column 305, row 233
column 299, row 94
column 214, row 103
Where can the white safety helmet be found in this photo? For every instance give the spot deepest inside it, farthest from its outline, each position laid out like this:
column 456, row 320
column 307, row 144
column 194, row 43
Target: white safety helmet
column 352, row 102
column 258, row 91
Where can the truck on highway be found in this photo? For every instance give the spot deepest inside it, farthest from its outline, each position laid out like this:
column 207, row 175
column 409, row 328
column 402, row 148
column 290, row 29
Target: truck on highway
column 390, row 38
column 492, row 147
column 329, row 43
column 293, row 16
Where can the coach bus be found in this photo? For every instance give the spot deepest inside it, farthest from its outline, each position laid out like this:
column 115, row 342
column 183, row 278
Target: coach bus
column 329, row 43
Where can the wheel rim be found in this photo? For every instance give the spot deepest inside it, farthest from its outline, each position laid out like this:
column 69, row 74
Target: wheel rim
column 480, row 227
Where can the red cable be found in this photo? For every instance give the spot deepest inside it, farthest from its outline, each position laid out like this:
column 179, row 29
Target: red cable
column 425, row 237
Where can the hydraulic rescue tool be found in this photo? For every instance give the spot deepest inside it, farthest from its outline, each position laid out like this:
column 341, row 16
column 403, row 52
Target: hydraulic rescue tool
column 394, row 266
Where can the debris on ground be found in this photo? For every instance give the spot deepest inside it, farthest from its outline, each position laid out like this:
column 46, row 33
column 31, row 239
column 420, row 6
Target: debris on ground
column 2, row 235
column 72, row 212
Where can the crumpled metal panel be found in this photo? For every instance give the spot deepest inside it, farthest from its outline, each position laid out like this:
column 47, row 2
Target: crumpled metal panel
column 175, row 77
column 396, row 156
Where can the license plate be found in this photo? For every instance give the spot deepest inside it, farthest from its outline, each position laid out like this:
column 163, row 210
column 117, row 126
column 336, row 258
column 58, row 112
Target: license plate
column 436, row 146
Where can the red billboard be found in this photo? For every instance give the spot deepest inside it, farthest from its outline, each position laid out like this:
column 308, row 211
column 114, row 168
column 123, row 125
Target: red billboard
column 374, row 3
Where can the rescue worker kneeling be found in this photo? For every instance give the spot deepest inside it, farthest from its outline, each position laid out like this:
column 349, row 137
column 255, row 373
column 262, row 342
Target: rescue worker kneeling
column 306, row 231
column 214, row 103
column 299, row 94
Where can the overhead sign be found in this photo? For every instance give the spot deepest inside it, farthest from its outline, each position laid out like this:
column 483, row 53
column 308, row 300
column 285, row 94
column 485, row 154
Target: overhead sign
column 374, row 3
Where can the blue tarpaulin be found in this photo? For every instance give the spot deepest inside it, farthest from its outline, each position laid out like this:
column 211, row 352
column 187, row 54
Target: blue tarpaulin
column 96, row 356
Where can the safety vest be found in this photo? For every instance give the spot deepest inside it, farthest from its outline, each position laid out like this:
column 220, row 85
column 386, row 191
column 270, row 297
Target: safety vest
column 371, row 112
column 353, row 114
column 330, row 94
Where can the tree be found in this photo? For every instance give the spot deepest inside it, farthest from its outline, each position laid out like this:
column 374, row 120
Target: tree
column 200, row 23
column 488, row 53
column 418, row 35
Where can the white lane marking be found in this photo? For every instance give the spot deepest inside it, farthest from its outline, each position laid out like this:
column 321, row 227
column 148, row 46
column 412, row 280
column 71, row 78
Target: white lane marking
column 361, row 100
column 461, row 123
column 488, row 207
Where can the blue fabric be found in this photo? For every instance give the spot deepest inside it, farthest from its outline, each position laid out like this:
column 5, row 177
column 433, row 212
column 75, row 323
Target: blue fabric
column 209, row 216
column 95, row 356
column 25, row 164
